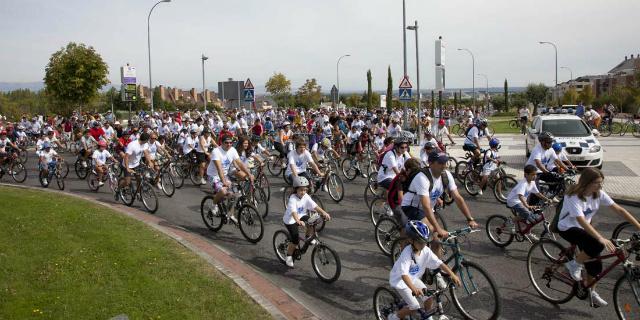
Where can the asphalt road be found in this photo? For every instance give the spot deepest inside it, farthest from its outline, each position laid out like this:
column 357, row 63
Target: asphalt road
column 364, row 267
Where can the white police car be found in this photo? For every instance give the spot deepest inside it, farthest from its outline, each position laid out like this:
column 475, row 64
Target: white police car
column 581, row 146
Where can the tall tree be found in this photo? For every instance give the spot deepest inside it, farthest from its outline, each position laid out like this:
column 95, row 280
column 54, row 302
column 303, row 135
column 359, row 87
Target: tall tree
column 369, row 91
column 389, row 89
column 570, row 96
column 586, row 95
column 309, row 94
column 506, row 96
column 280, row 88
column 536, row 94
column 74, row 75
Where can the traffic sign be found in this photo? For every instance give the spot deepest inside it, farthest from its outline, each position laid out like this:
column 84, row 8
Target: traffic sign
column 405, row 94
column 249, row 95
column 405, row 83
column 248, row 84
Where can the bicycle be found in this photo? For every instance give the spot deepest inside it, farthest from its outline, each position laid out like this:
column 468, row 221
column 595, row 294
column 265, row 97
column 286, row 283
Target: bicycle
column 82, row 166
column 215, row 216
column 630, row 125
column 352, row 168
column 141, row 190
column 547, row 272
column 111, row 177
column 503, row 230
column 557, row 189
column 478, row 297
column 14, row 167
column 321, row 256
column 187, row 166
column 499, row 181
column 386, row 302
column 55, row 172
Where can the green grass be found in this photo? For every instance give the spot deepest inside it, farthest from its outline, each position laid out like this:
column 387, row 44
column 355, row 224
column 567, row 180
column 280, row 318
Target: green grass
column 64, row 258
column 501, row 124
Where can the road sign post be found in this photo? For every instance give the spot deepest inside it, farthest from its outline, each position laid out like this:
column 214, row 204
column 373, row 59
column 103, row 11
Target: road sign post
column 405, row 90
column 249, row 91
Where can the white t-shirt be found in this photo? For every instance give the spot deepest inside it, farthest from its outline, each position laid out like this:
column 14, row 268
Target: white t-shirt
column 205, row 147
column 390, row 161
column 441, row 133
column 100, row 157
column 108, row 132
column 135, row 152
column 474, row 133
column 413, row 265
column 523, row 188
column 318, row 150
column 562, row 156
column 189, row 144
column 153, row 148
column 301, row 206
column 299, row 160
column 48, row 156
column 353, row 136
column 545, row 156
column 488, row 156
column 379, row 142
column 226, row 159
column 573, row 207
column 420, row 187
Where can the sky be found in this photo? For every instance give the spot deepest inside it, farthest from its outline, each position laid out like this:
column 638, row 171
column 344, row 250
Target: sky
column 303, row 39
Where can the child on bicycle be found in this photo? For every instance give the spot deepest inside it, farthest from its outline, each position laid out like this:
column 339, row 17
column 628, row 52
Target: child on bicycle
column 47, row 161
column 491, row 161
column 407, row 271
column 298, row 205
column 562, row 156
column 519, row 201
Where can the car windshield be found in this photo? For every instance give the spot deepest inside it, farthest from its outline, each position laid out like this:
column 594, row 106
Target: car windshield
column 566, row 127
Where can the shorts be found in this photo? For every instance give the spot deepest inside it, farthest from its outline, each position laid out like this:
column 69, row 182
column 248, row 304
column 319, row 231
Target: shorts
column 590, row 245
column 386, row 183
column 413, row 213
column 127, row 174
column 294, row 234
column 407, row 295
column 201, row 157
column 488, row 168
column 216, row 184
column 469, row 147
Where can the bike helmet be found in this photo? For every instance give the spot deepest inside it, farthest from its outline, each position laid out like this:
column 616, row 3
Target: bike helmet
column 206, row 130
column 495, row 142
column 46, row 145
column 556, row 146
column 429, row 145
column 545, row 136
column 417, row 230
column 326, row 142
column 400, row 141
column 483, row 122
column 102, row 143
column 428, row 132
column 3, row 133
column 300, row 181
column 441, row 122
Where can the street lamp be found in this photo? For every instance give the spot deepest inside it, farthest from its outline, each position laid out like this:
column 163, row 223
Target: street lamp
column 570, row 72
column 473, row 72
column 204, row 95
column 149, row 49
column 487, row 92
column 338, row 75
column 415, row 28
column 555, row 48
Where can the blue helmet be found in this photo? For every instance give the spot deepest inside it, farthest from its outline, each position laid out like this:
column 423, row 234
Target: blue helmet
column 46, row 145
column 417, row 230
column 556, row 146
column 494, row 143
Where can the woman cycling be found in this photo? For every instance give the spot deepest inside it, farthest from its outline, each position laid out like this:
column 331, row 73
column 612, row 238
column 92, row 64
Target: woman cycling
column 581, row 203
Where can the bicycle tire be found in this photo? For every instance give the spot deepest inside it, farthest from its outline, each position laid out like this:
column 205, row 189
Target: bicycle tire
column 549, row 263
column 280, row 244
column 502, row 188
column 455, row 128
column 497, row 228
column 65, row 169
column 126, row 195
column 347, row 170
column 249, row 216
column 23, row 155
column 461, row 171
column 18, row 172
column 167, row 184
column 452, row 163
column 379, row 208
column 274, row 166
column 286, row 193
column 178, row 173
column 322, row 252
column 92, row 181
column 288, row 179
column 59, row 181
column 627, row 311
column 624, row 228
column 369, row 197
column 148, row 197
column 263, row 183
column 41, row 179
column 474, row 311
column 636, row 130
column 335, row 187
column 81, row 171
column 194, row 175
column 382, row 310
column 513, row 124
column 386, row 231
column 470, row 185
column 319, row 203
column 211, row 213
column 260, row 202
column 396, row 249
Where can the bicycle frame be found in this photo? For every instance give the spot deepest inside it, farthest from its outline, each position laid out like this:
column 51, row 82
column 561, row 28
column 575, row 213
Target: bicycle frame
column 619, row 254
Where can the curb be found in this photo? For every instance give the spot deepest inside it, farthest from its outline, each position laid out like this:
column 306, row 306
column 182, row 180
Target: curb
column 269, row 296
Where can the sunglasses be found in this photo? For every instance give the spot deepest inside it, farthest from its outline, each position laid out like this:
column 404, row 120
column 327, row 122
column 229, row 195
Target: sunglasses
column 228, row 142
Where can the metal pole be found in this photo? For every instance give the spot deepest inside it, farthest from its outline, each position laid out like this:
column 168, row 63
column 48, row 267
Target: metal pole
column 555, row 49
column 415, row 28
column 473, row 74
column 338, row 75
column 404, row 47
column 149, row 50
column 204, row 96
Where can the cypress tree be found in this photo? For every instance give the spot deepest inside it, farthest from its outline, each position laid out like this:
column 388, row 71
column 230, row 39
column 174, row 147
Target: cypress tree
column 389, row 90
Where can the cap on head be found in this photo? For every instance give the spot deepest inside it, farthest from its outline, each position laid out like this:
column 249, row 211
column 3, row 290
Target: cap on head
column 439, row 157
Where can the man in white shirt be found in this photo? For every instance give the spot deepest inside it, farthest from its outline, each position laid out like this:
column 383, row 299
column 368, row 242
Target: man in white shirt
column 472, row 142
column 542, row 155
column 133, row 156
column 298, row 160
column 100, row 157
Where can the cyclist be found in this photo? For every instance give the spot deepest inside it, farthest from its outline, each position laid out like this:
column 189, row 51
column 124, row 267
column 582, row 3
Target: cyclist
column 4, row 143
column 428, row 137
column 542, row 155
column 100, row 157
column 406, row 274
column 321, row 148
column 134, row 153
column 428, row 148
column 392, row 162
column 491, row 161
column 520, row 200
column 299, row 159
column 298, row 205
column 581, row 203
column 87, row 144
column 562, row 156
column 524, row 114
column 379, row 140
column 202, row 144
column 47, row 161
column 471, row 142
column 441, row 133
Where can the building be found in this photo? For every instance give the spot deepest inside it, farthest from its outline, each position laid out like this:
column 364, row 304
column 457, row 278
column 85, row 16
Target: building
column 178, row 96
column 231, row 93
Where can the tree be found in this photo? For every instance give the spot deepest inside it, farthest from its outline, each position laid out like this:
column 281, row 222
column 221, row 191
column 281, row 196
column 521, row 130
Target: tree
column 570, row 96
column 353, row 100
column 280, row 88
column 369, row 91
column 389, row 90
column 536, row 94
column 309, row 94
column 506, row 96
column 74, row 75
column 586, row 95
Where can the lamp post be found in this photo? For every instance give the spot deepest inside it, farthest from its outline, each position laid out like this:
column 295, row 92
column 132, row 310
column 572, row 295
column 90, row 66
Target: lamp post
column 204, row 95
column 404, row 52
column 570, row 73
column 338, row 75
column 555, row 48
column 149, row 49
column 473, row 72
column 415, row 28
column 487, row 92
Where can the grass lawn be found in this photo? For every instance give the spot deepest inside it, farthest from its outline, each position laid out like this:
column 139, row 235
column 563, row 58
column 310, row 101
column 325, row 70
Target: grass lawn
column 501, row 124
column 64, row 258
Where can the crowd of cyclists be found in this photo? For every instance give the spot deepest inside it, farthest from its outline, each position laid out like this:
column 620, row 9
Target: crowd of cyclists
column 223, row 152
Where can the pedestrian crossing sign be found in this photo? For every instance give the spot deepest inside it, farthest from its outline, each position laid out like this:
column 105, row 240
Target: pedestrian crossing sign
column 249, row 95
column 405, row 94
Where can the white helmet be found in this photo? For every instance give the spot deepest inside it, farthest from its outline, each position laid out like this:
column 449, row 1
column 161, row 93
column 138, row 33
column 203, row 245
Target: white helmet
column 587, row 114
column 300, row 181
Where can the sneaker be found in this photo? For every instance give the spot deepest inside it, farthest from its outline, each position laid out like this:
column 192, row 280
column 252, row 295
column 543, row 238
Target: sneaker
column 100, row 184
column 314, row 242
column 159, row 185
column 234, row 219
column 45, row 181
column 289, row 262
column 389, row 212
column 480, row 192
column 555, row 199
column 202, row 181
column 443, row 317
column 596, row 300
column 393, row 316
column 532, row 237
column 575, row 270
column 116, row 195
column 325, row 188
column 440, row 281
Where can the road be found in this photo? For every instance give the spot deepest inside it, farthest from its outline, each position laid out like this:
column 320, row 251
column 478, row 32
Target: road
column 363, row 266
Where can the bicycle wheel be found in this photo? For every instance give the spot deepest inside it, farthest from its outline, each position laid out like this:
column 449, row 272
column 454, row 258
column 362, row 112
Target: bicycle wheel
column 23, row 156
column 379, row 208
column 275, row 167
column 149, row 197
column 626, row 297
column 263, row 183
column 455, row 128
column 59, row 181
column 461, row 132
column 605, row 129
column 319, row 203
column 326, row 263
column 452, row 163
column 250, row 223
column 212, row 214
column 385, row 302
column 335, row 187
column 636, row 130
column 478, row 296
column 502, row 188
column 92, row 181
column 286, row 193
column 166, row 182
column 177, row 171
column 42, row 179
column 396, row 249
column 126, row 195
column 616, row 127
column 461, row 171
column 472, row 182
column 500, row 230
column 348, row 169
column 386, row 231
column 18, row 172
column 372, row 183
column 547, row 273
column 260, row 202
column 81, row 168
column 623, row 231
column 65, row 169
column 369, row 197
column 194, row 175
column 280, row 244
column 513, row 124
column 288, row 179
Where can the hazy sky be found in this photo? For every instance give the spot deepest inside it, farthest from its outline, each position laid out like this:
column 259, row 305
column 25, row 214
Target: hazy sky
column 304, row 38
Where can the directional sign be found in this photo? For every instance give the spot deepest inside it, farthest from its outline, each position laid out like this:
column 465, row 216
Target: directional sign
column 248, row 84
column 405, row 94
column 249, row 95
column 405, row 84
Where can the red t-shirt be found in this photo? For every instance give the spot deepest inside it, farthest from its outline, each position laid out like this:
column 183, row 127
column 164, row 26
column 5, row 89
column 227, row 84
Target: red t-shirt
column 96, row 132
column 257, row 129
column 124, row 143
